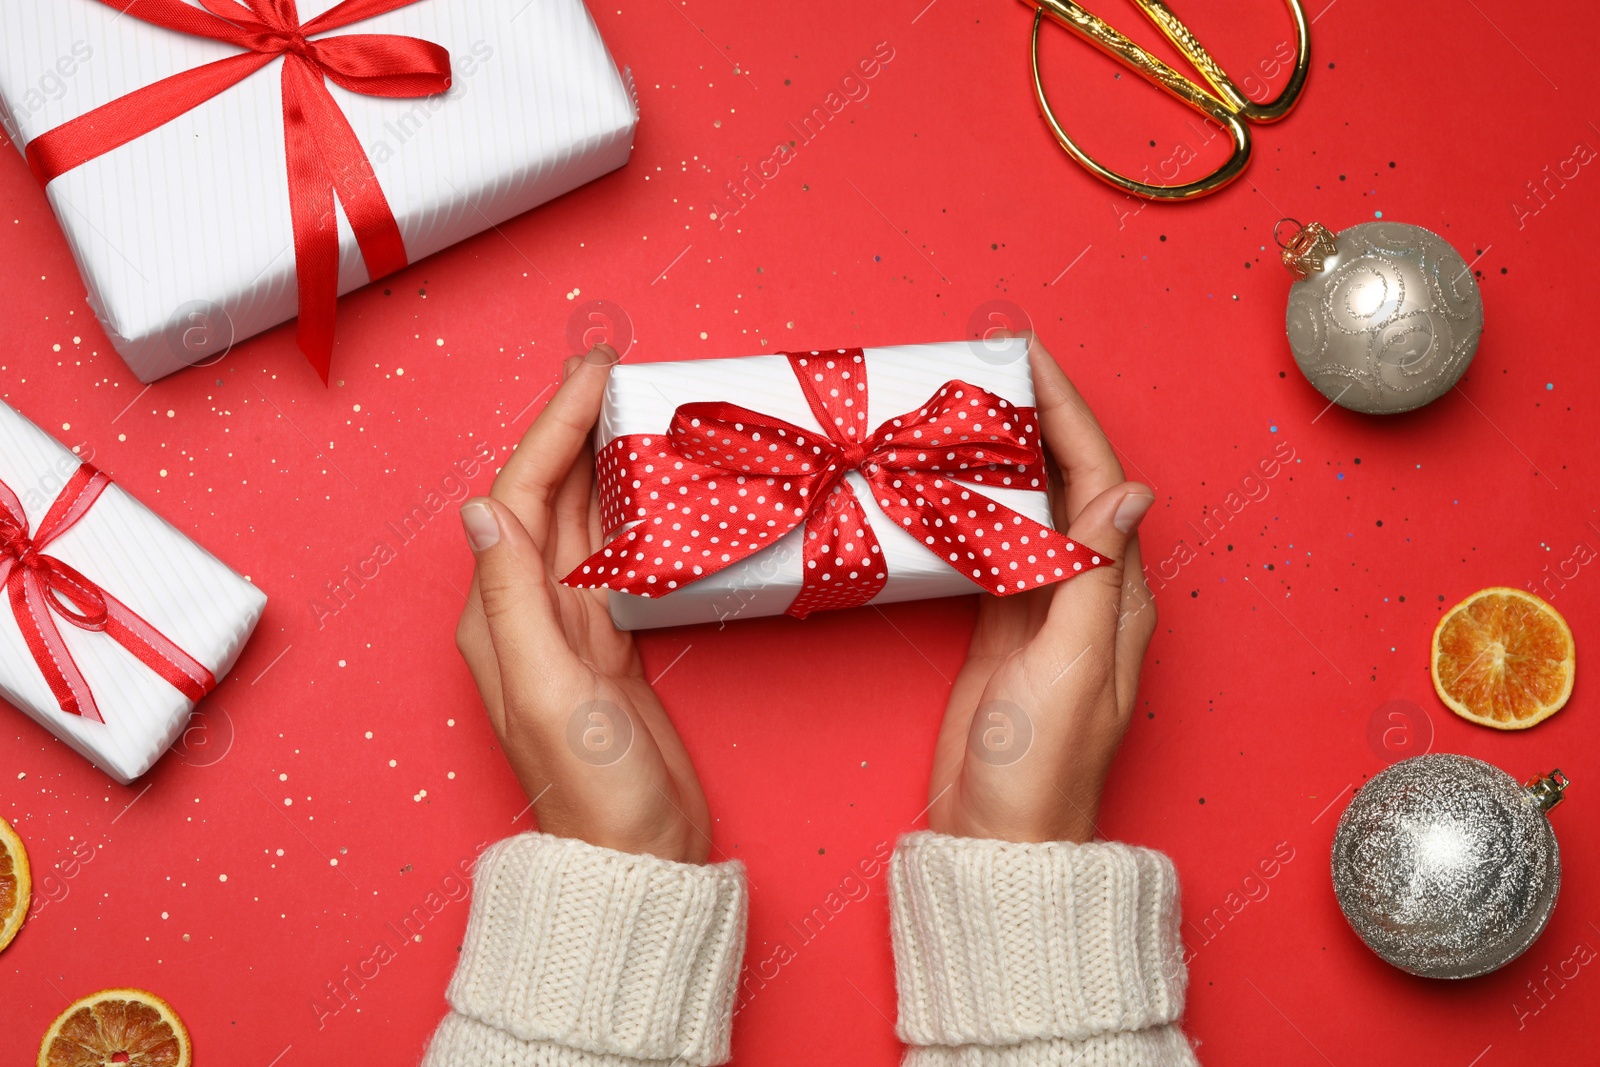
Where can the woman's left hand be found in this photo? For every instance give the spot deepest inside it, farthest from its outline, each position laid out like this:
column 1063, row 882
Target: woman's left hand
column 565, row 690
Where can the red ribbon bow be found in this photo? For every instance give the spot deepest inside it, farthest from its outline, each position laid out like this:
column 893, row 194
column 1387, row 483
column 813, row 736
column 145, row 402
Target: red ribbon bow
column 724, row 482
column 41, row 586
column 324, row 155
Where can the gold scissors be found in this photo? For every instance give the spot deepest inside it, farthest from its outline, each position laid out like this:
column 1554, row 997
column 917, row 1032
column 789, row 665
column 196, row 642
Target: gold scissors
column 1227, row 106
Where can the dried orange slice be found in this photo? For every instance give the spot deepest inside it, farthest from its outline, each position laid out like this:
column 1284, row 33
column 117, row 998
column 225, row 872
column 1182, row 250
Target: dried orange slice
column 1503, row 658
column 117, row 1026
column 16, row 884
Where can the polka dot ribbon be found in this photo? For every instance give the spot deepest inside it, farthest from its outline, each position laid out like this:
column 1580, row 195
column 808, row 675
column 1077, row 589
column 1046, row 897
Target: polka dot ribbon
column 725, row 482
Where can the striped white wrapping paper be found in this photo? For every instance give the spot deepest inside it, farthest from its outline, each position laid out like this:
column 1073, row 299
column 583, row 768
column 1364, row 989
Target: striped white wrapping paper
column 194, row 216
column 641, row 398
column 173, row 583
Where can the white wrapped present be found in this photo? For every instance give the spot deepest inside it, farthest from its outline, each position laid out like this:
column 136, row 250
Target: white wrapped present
column 114, row 624
column 723, row 496
column 184, row 234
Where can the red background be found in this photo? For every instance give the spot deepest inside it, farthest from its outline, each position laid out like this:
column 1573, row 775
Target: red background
column 939, row 192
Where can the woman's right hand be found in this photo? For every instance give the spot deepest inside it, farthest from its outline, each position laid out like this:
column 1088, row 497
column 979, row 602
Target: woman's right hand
column 1041, row 703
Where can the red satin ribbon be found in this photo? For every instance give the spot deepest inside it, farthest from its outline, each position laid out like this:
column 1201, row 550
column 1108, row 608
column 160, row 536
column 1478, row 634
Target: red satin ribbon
column 325, row 159
column 41, row 586
column 725, row 482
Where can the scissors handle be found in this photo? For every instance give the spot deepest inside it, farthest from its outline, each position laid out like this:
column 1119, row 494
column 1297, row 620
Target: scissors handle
column 1228, row 107
column 1185, row 41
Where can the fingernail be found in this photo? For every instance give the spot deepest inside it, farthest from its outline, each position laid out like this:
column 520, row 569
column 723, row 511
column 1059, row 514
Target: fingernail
column 602, row 355
column 568, row 365
column 1131, row 510
column 483, row 530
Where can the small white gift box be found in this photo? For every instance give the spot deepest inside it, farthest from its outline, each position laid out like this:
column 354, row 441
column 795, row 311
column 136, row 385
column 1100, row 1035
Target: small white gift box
column 944, row 462
column 114, row 623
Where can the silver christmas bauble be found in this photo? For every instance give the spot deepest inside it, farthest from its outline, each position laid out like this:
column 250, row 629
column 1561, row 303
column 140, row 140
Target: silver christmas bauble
column 1446, row 867
column 1386, row 316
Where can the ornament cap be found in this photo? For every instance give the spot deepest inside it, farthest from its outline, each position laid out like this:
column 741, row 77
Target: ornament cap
column 1306, row 248
column 1547, row 790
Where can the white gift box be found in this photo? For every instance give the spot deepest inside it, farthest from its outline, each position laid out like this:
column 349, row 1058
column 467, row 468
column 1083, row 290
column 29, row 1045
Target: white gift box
column 134, row 555
column 183, row 236
column 641, row 399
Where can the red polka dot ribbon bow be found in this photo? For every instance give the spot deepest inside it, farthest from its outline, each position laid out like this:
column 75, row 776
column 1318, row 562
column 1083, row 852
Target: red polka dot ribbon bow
column 725, row 482
column 324, row 155
column 42, row 588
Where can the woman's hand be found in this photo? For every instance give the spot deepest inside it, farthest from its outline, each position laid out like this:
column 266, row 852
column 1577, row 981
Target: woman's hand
column 1041, row 703
column 584, row 732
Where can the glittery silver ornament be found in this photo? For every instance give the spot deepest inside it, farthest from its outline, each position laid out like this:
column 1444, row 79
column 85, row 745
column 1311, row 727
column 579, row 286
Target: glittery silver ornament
column 1385, row 316
column 1446, row 867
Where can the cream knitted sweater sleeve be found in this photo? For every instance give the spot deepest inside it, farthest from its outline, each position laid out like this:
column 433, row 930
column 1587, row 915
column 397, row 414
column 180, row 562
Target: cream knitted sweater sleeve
column 1015, row 955
column 578, row 956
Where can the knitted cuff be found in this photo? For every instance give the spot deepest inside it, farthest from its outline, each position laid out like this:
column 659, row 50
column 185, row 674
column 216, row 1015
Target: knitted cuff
column 1161, row 1046
column 603, row 951
column 998, row 943
column 464, row 1042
